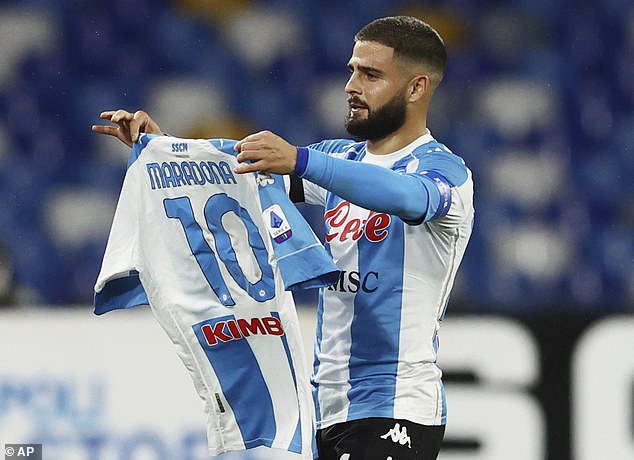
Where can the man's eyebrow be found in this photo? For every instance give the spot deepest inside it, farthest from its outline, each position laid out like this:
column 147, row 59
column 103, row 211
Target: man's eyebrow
column 366, row 69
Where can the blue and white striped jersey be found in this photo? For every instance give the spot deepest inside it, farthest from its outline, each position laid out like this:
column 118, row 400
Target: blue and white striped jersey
column 196, row 242
column 377, row 330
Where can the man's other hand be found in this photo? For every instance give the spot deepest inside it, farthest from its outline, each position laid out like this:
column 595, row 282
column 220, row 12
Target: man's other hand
column 265, row 152
column 128, row 125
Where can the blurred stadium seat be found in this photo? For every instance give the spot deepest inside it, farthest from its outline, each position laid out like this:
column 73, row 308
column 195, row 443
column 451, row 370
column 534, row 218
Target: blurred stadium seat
column 538, row 99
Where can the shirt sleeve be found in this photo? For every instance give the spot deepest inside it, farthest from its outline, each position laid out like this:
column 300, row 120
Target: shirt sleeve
column 118, row 285
column 416, row 196
column 302, row 259
column 313, row 192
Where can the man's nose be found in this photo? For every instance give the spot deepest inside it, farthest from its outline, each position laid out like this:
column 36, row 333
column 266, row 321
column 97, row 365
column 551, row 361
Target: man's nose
column 352, row 85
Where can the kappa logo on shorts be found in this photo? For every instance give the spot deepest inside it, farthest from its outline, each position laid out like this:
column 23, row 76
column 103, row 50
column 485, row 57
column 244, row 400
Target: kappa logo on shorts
column 345, row 456
column 398, row 435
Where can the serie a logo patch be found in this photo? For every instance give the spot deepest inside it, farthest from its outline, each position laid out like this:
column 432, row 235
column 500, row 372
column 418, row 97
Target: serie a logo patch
column 277, row 223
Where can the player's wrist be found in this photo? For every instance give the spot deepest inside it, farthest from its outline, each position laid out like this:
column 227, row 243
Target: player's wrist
column 301, row 162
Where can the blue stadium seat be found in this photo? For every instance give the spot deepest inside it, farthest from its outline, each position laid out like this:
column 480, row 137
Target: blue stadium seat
column 111, row 54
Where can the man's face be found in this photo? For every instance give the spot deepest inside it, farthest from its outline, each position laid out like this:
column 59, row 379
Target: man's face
column 376, row 92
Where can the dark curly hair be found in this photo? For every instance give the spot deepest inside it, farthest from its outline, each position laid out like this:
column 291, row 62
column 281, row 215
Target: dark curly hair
column 411, row 38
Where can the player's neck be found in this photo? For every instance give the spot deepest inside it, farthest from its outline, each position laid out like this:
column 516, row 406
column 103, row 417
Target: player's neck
column 404, row 136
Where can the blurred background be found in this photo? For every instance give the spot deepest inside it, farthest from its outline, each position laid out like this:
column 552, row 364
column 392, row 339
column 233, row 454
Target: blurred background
column 538, row 99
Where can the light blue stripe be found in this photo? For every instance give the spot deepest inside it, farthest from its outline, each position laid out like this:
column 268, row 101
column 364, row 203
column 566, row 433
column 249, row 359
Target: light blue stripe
column 224, row 145
column 296, row 442
column 318, row 337
column 375, row 328
column 237, row 369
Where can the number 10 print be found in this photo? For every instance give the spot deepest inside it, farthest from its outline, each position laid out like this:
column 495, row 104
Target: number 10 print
column 215, row 208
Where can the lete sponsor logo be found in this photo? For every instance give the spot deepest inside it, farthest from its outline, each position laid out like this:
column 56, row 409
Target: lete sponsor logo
column 342, row 228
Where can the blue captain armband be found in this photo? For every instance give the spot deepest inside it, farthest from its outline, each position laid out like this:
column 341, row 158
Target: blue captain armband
column 444, row 188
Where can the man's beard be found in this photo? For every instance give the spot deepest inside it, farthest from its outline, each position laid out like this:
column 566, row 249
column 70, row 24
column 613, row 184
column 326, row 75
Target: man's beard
column 380, row 123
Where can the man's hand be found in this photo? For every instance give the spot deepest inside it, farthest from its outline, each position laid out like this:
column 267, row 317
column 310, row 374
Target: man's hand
column 129, row 125
column 265, row 152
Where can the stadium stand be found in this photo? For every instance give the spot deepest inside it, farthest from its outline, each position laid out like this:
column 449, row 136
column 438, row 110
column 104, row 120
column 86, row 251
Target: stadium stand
column 538, row 99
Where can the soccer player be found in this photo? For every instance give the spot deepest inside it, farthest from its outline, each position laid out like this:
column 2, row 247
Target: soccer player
column 398, row 211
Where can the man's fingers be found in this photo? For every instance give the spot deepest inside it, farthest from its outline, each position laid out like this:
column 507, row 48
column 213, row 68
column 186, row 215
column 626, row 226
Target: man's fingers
column 245, row 146
column 240, row 144
column 139, row 121
column 243, row 168
column 251, row 138
column 121, row 116
column 250, row 154
column 129, row 125
column 255, row 149
column 114, row 131
column 242, row 156
column 107, row 115
column 109, row 130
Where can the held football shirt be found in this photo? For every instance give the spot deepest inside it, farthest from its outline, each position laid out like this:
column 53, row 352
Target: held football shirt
column 377, row 332
column 196, row 242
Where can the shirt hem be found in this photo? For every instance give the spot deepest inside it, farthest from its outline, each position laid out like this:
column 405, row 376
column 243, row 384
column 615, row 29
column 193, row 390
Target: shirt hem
column 428, row 421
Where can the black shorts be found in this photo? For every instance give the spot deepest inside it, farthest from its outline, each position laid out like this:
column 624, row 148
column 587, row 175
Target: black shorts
column 379, row 439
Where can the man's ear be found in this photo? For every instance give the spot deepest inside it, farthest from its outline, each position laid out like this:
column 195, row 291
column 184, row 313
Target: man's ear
column 419, row 87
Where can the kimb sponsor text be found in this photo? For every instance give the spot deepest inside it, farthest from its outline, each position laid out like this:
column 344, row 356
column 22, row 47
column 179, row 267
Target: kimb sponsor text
column 229, row 328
